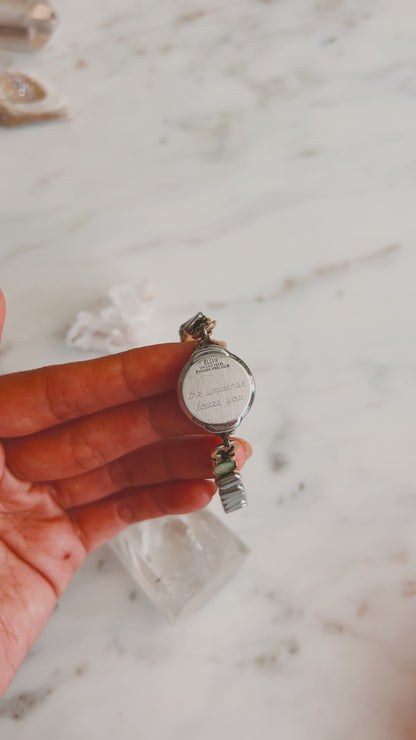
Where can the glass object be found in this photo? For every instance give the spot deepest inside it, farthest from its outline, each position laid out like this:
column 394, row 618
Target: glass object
column 180, row 561
column 26, row 25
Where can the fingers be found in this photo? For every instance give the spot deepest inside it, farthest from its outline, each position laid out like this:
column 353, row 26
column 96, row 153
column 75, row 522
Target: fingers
column 2, row 311
column 38, row 399
column 99, row 522
column 177, row 458
column 90, row 442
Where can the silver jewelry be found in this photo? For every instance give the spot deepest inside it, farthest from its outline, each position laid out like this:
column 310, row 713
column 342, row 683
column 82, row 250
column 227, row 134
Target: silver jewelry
column 216, row 390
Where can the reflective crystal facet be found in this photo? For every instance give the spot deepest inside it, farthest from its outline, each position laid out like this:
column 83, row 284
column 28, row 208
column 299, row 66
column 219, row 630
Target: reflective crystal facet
column 180, row 561
column 26, row 24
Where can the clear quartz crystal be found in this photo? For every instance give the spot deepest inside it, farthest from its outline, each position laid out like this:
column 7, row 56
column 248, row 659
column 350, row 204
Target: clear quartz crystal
column 26, row 25
column 180, row 561
column 119, row 322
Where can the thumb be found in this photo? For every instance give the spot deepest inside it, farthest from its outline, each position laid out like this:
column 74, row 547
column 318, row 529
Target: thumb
column 2, row 311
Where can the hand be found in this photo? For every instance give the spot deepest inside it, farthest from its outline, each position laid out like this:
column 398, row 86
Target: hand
column 85, row 450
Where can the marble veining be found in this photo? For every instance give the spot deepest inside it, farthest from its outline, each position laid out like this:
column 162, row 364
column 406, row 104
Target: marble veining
column 255, row 160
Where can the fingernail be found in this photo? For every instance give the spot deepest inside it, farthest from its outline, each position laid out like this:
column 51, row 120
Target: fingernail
column 247, row 448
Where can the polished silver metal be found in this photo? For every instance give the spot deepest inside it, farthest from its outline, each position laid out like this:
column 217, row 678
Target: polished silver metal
column 216, row 390
column 232, row 492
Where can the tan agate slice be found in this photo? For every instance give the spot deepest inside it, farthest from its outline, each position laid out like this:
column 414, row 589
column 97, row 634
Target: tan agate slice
column 25, row 100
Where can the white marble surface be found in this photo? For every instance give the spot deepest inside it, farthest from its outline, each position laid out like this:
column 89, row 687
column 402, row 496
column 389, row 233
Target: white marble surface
column 257, row 160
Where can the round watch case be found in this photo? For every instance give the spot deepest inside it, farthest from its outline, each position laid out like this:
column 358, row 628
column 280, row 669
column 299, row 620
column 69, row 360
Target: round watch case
column 216, row 389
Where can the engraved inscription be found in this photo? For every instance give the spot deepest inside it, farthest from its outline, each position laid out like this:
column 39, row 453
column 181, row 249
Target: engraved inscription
column 208, row 405
column 201, row 405
column 212, row 363
column 217, row 389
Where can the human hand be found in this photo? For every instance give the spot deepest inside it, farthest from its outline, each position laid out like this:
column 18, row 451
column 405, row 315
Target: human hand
column 85, row 450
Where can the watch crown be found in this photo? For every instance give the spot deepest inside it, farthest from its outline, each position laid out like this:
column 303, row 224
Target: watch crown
column 198, row 327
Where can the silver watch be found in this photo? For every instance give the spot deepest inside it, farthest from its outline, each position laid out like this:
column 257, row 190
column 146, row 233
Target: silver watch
column 216, row 390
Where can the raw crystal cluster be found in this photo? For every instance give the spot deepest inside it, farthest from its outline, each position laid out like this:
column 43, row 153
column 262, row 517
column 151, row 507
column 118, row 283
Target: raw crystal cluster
column 118, row 323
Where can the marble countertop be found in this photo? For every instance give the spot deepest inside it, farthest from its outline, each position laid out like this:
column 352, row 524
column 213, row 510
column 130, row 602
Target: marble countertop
column 255, row 160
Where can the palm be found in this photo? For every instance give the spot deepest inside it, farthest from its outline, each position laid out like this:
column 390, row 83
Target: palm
column 85, row 450
column 39, row 552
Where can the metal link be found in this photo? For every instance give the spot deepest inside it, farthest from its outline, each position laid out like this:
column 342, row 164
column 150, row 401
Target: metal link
column 232, row 492
column 198, row 327
column 230, row 485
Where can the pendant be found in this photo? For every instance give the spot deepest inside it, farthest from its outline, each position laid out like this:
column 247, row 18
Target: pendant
column 216, row 390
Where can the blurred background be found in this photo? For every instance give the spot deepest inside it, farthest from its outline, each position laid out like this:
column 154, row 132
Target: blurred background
column 254, row 160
